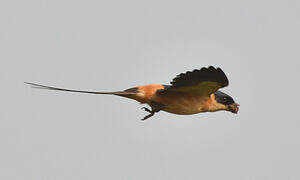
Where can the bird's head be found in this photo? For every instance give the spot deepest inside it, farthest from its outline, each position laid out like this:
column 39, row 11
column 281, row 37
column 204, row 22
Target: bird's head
column 226, row 102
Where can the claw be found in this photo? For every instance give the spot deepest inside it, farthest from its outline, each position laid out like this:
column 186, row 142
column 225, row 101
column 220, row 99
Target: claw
column 146, row 109
column 155, row 107
column 148, row 116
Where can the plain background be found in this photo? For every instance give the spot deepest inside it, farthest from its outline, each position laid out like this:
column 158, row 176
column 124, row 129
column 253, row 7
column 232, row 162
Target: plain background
column 114, row 45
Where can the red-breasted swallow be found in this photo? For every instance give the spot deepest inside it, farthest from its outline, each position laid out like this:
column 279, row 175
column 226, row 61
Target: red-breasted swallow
column 189, row 93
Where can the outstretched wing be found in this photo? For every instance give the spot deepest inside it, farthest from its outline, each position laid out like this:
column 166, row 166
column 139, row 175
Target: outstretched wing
column 198, row 82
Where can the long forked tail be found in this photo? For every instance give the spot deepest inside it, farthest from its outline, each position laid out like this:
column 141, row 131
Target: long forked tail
column 119, row 93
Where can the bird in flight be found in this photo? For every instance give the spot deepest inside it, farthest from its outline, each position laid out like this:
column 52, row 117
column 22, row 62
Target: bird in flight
column 189, row 93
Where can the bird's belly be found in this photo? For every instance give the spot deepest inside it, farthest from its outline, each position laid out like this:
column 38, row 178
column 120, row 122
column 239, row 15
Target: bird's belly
column 185, row 105
column 181, row 110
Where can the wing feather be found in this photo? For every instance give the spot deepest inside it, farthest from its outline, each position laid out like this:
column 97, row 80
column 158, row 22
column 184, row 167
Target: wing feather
column 202, row 81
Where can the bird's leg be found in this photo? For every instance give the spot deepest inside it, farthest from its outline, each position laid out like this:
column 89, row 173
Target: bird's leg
column 155, row 107
column 148, row 116
column 146, row 109
column 149, row 111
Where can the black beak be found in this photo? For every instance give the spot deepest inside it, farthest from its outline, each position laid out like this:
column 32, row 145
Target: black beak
column 234, row 108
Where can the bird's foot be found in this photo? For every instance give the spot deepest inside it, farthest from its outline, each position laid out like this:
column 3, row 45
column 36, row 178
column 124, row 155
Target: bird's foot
column 148, row 116
column 146, row 109
column 149, row 111
column 155, row 107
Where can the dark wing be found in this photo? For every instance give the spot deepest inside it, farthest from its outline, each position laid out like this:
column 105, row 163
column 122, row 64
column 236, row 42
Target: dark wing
column 198, row 82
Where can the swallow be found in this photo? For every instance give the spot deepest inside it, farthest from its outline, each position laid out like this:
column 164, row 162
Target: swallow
column 189, row 93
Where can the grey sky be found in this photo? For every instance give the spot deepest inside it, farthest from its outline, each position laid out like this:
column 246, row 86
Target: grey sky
column 114, row 45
